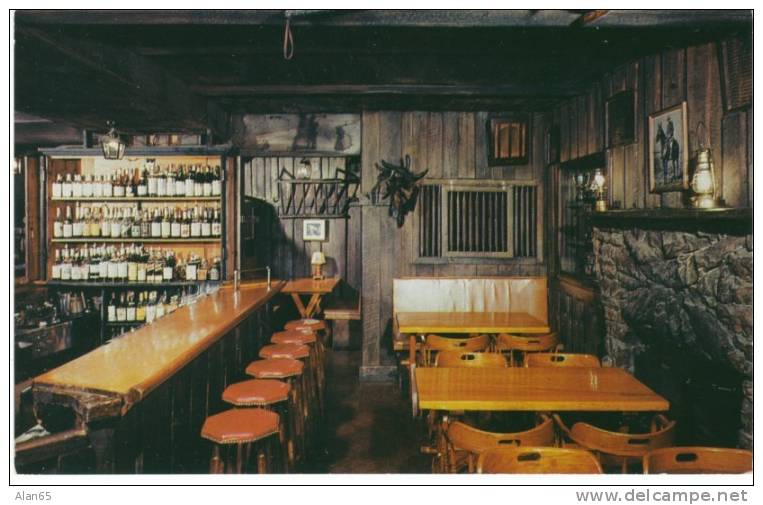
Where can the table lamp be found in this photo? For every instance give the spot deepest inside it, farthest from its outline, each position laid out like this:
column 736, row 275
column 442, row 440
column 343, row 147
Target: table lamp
column 317, row 261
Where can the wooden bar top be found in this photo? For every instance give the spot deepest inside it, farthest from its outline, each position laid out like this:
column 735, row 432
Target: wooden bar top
column 308, row 285
column 535, row 389
column 134, row 364
column 470, row 322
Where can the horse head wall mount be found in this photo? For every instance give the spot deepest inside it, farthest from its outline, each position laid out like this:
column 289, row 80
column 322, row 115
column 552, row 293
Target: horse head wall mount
column 398, row 184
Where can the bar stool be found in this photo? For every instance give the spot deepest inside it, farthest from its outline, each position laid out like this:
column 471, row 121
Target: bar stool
column 242, row 428
column 270, row 394
column 308, row 338
column 309, row 377
column 321, row 329
column 290, row 371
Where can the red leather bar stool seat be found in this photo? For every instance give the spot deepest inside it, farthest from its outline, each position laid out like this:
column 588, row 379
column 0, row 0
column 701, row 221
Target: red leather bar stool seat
column 256, row 393
column 306, row 324
column 275, row 368
column 293, row 351
column 241, row 428
column 293, row 337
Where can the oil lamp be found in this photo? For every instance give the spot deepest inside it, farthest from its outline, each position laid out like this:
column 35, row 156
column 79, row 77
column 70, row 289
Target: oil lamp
column 113, row 147
column 703, row 181
column 317, row 261
column 599, row 189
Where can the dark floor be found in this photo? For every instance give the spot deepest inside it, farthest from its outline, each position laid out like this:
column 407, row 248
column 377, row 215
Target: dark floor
column 368, row 428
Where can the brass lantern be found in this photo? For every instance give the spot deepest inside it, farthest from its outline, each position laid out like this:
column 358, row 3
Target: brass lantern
column 599, row 189
column 703, row 180
column 113, row 147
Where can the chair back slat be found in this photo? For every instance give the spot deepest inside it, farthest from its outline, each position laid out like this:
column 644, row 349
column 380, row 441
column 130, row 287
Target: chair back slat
column 544, row 359
column 525, row 460
column 458, row 359
column 698, row 460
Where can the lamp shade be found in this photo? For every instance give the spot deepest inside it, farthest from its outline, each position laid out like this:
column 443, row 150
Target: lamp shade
column 318, row 258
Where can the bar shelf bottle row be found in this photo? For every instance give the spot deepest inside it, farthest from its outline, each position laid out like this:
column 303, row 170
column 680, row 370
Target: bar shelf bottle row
column 131, row 264
column 171, row 181
column 200, row 221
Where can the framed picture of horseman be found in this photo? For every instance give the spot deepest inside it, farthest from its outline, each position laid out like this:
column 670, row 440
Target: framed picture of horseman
column 668, row 150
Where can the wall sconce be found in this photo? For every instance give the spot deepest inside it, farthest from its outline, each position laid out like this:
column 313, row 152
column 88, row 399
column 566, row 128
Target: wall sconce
column 703, row 181
column 113, row 147
column 599, row 189
column 317, row 261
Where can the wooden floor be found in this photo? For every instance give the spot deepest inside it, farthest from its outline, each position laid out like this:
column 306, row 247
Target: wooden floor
column 368, row 425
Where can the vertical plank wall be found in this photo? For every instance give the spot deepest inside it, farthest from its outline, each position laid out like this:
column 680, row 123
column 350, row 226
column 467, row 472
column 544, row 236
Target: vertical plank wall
column 662, row 80
column 452, row 145
column 368, row 250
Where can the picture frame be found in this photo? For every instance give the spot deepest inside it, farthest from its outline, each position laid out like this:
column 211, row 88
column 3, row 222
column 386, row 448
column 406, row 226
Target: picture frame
column 508, row 139
column 314, row 230
column 668, row 150
column 621, row 119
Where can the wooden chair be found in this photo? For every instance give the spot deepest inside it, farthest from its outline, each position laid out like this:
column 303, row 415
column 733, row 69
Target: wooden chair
column 537, row 460
column 548, row 359
column 524, row 344
column 435, row 343
column 621, row 448
column 459, row 359
column 465, row 443
column 698, row 460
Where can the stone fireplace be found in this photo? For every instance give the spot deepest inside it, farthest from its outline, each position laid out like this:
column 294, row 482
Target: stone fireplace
column 677, row 306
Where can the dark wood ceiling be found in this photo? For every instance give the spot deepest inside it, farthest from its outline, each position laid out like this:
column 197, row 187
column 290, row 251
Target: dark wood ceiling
column 189, row 70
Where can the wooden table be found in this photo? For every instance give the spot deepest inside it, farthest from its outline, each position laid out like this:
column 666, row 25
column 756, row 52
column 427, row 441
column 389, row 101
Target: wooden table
column 535, row 389
column 420, row 323
column 307, row 286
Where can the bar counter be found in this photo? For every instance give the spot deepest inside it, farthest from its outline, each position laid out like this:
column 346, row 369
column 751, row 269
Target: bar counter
column 144, row 395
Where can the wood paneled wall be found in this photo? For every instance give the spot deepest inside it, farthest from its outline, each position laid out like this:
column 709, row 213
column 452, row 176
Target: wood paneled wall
column 452, row 145
column 368, row 250
column 690, row 74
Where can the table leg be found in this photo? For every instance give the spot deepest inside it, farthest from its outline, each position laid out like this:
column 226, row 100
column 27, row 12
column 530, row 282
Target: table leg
column 314, row 305
column 412, row 368
column 300, row 306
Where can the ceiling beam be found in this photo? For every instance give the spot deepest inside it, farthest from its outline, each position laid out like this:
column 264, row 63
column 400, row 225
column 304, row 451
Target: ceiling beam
column 589, row 17
column 114, row 72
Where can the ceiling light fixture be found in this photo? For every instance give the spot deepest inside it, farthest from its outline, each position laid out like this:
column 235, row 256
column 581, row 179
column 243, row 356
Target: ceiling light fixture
column 112, row 145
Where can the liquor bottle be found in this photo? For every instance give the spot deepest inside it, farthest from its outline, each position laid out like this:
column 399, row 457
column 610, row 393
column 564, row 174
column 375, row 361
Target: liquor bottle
column 97, row 186
column 207, row 181
column 107, row 187
column 161, row 183
column 85, row 222
column 122, row 308
column 152, row 181
column 175, row 229
column 77, row 222
column 191, row 268
column 87, row 186
column 170, row 191
column 141, row 188
column 66, row 265
column 56, row 188
column 95, row 223
column 67, row 227
column 105, row 224
column 156, row 225
column 216, row 224
column 140, row 309
column 217, row 182
column 169, row 266
column 130, row 312
column 151, row 307
column 185, row 225
column 195, row 223
column 198, row 182
column 55, row 272
column 111, row 309
column 103, row 266
column 202, row 270
column 135, row 227
column 94, row 273
column 123, row 266
column 129, row 183
column 214, row 270
column 189, row 187
column 132, row 265
column 117, row 188
column 180, row 182
column 166, row 224
column 206, row 223
column 58, row 225
column 113, row 265
column 77, row 187
column 115, row 223
column 66, row 187
column 160, row 305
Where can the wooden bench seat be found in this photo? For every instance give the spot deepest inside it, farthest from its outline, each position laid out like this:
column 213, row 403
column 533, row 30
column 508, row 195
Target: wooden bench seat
column 345, row 307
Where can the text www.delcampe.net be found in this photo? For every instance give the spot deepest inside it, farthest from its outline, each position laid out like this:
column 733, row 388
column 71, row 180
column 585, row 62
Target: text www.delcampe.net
column 662, row 496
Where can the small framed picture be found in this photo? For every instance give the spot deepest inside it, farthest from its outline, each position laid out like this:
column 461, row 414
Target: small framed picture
column 314, row 230
column 668, row 150
column 621, row 121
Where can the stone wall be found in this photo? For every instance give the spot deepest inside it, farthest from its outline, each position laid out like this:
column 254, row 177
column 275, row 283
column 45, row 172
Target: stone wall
column 690, row 292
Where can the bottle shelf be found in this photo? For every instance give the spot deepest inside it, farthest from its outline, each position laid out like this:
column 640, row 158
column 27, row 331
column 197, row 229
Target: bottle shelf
column 126, row 285
column 129, row 199
column 130, row 240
